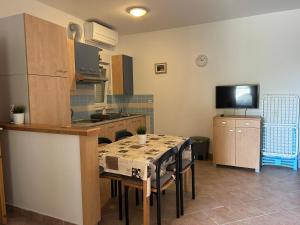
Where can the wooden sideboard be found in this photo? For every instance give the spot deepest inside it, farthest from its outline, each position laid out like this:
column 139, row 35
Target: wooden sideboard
column 236, row 141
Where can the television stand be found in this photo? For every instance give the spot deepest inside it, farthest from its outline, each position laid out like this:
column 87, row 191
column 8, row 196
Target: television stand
column 236, row 141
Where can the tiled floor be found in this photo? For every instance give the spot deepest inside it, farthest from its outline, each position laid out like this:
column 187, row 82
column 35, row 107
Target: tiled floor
column 224, row 196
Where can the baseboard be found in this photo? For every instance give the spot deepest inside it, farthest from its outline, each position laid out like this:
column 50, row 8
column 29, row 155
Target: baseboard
column 36, row 217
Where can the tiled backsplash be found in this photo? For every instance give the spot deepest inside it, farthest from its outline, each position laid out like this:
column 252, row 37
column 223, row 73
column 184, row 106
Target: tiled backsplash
column 135, row 104
column 83, row 103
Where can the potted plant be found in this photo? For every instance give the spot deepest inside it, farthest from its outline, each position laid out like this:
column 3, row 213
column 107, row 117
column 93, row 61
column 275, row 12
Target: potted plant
column 142, row 137
column 18, row 114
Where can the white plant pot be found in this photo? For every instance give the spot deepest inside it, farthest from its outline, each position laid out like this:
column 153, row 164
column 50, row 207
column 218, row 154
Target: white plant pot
column 142, row 139
column 18, row 118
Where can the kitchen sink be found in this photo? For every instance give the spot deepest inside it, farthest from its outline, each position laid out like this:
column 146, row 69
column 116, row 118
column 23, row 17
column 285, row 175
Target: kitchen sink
column 109, row 116
column 97, row 118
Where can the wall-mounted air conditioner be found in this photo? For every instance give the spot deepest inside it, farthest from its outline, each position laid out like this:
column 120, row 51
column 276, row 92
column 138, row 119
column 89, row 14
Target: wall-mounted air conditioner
column 99, row 33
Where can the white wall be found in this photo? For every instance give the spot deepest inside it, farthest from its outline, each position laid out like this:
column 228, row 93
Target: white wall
column 261, row 49
column 42, row 174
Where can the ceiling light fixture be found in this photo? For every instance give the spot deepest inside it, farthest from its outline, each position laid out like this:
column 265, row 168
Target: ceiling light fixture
column 137, row 11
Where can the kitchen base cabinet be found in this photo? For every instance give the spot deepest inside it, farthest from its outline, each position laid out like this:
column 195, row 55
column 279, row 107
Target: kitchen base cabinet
column 109, row 130
column 133, row 124
column 236, row 141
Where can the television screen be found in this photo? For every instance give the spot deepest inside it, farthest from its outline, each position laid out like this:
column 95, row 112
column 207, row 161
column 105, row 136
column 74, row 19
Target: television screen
column 237, row 96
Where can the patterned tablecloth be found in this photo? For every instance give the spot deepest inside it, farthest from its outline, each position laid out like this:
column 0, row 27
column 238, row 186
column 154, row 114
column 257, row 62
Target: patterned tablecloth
column 127, row 157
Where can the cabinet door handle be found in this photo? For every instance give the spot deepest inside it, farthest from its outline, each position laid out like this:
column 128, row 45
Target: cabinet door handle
column 61, row 71
column 247, row 124
column 230, row 130
column 223, row 122
column 239, row 131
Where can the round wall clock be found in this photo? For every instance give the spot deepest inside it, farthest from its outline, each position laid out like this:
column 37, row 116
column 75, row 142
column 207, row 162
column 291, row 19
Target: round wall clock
column 201, row 60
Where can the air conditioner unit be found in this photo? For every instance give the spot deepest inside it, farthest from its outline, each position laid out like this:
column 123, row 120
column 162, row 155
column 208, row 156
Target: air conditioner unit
column 99, row 33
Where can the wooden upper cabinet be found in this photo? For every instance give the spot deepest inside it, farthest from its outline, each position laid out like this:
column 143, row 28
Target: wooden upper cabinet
column 122, row 74
column 49, row 102
column 46, row 47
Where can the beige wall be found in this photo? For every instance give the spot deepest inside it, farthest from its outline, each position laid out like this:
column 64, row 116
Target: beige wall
column 260, row 49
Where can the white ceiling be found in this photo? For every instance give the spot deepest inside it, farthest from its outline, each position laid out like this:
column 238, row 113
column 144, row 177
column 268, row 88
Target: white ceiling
column 166, row 14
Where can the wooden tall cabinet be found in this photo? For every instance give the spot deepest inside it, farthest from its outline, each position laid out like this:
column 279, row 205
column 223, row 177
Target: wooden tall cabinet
column 122, row 75
column 236, row 141
column 35, row 72
column 3, row 216
column 46, row 47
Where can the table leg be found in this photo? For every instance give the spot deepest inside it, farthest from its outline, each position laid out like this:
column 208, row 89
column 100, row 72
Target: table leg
column 146, row 208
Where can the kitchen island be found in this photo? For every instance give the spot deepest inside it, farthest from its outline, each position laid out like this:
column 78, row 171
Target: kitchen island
column 53, row 172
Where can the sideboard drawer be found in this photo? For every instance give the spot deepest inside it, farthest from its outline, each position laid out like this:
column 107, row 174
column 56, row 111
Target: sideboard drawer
column 248, row 123
column 224, row 122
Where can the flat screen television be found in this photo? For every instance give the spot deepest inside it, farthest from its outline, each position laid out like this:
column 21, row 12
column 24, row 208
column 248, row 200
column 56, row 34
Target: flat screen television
column 237, row 96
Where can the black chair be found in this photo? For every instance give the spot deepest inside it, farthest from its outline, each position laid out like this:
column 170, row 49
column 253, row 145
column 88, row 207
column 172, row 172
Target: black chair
column 123, row 134
column 184, row 165
column 115, row 181
column 158, row 185
column 104, row 140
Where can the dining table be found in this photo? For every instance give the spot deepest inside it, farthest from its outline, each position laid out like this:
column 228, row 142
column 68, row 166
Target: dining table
column 130, row 159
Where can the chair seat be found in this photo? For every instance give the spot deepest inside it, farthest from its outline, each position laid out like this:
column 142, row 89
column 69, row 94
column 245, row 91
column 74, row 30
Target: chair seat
column 185, row 164
column 163, row 179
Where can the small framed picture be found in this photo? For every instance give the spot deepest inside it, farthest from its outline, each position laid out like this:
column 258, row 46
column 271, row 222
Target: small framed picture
column 160, row 68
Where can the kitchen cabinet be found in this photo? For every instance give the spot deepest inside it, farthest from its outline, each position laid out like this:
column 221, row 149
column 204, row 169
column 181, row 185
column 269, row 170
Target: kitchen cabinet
column 48, row 100
column 40, row 72
column 46, row 47
column 114, row 127
column 122, row 75
column 2, row 195
column 236, row 141
column 109, row 130
column 133, row 124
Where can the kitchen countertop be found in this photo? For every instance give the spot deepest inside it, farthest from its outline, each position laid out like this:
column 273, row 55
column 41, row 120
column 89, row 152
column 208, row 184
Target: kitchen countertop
column 75, row 129
column 81, row 131
column 95, row 124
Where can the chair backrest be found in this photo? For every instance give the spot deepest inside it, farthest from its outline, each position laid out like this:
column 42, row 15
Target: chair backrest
column 123, row 134
column 104, row 140
column 164, row 158
column 183, row 147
